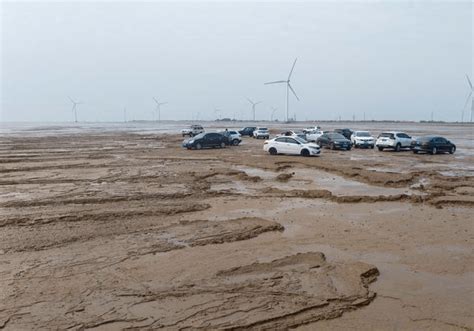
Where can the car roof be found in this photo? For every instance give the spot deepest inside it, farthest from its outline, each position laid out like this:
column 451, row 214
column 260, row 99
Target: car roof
column 394, row 132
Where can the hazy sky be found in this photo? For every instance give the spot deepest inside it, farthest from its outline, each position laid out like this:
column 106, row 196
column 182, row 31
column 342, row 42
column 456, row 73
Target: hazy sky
column 391, row 60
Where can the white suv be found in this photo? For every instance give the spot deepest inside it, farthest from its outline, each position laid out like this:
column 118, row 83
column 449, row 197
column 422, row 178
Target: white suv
column 362, row 139
column 393, row 139
column 261, row 133
column 192, row 130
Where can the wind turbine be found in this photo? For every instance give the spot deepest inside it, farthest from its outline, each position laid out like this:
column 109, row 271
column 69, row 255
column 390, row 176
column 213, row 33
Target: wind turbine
column 288, row 88
column 467, row 99
column 74, row 107
column 217, row 111
column 253, row 106
column 273, row 113
column 158, row 107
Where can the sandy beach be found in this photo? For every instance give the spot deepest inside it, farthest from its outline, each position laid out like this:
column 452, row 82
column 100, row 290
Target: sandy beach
column 120, row 227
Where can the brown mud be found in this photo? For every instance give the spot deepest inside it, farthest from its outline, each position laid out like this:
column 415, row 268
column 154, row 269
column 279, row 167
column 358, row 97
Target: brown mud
column 120, row 230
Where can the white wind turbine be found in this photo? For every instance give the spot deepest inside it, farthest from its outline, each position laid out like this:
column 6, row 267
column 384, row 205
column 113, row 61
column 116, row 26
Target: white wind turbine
column 158, row 107
column 218, row 113
column 253, row 106
column 74, row 107
column 469, row 97
column 288, row 88
column 274, row 109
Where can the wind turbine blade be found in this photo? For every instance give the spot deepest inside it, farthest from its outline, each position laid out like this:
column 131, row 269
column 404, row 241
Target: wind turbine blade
column 250, row 101
column 163, row 103
column 293, row 67
column 155, row 100
column 70, row 99
column 467, row 100
column 469, row 81
column 289, row 85
column 276, row 82
column 258, row 102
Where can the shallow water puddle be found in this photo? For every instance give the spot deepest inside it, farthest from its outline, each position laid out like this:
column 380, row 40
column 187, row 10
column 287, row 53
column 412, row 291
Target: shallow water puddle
column 312, row 179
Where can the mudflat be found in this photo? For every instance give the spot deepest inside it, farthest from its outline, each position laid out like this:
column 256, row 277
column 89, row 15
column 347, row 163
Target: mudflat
column 116, row 229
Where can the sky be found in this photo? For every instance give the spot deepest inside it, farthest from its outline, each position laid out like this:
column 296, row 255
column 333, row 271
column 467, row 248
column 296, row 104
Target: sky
column 385, row 60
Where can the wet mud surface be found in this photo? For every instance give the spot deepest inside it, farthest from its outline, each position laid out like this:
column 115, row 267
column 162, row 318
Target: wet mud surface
column 120, row 230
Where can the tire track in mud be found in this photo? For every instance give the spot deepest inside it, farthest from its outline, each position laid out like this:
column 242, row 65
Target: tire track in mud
column 277, row 295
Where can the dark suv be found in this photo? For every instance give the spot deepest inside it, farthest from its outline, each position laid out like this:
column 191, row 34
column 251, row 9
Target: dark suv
column 345, row 132
column 248, row 131
column 204, row 140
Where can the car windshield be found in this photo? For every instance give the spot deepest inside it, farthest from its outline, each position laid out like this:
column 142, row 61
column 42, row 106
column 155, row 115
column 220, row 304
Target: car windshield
column 301, row 141
column 199, row 136
column 363, row 134
column 262, row 129
column 386, row 134
column 336, row 136
column 425, row 139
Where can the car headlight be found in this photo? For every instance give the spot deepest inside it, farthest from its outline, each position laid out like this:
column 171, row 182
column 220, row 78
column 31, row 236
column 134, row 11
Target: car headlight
column 190, row 141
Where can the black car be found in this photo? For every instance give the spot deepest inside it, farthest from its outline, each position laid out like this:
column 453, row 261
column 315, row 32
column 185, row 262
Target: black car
column 433, row 145
column 248, row 131
column 345, row 132
column 334, row 141
column 204, row 140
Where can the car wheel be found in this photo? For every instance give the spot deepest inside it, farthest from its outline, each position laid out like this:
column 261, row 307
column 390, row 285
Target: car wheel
column 235, row 142
column 198, row 146
column 273, row 151
column 380, row 148
column 434, row 150
column 414, row 151
column 452, row 150
column 222, row 144
column 333, row 146
column 349, row 148
column 305, row 152
column 372, row 146
column 397, row 147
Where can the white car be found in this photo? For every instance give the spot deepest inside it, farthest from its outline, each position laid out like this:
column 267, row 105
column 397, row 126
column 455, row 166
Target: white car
column 192, row 130
column 362, row 139
column 291, row 145
column 314, row 135
column 261, row 133
column 233, row 137
column 312, row 128
column 393, row 139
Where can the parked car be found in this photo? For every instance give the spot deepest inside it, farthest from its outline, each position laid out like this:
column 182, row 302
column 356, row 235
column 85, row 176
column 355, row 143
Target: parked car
column 433, row 145
column 291, row 133
column 315, row 134
column 334, row 140
column 206, row 140
column 192, row 130
column 233, row 137
column 290, row 145
column 362, row 139
column 248, row 131
column 261, row 133
column 345, row 132
column 393, row 139
column 312, row 128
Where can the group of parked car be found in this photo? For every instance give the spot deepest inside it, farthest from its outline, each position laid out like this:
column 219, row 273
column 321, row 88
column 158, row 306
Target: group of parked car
column 310, row 141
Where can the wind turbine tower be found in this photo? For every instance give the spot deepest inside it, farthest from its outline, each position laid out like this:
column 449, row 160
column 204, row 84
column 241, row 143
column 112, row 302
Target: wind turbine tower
column 469, row 97
column 288, row 88
column 74, row 107
column 273, row 113
column 253, row 106
column 158, row 108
